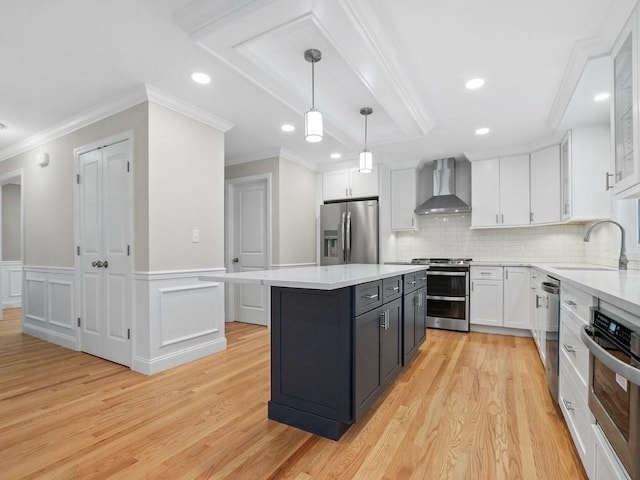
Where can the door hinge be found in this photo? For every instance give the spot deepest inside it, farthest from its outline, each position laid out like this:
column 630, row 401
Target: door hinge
column 128, row 334
column 78, row 179
column 127, row 166
column 128, row 250
column 531, row 216
column 78, row 321
column 78, row 250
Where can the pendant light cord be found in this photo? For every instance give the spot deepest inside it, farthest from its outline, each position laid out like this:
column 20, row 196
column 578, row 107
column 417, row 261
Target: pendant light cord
column 365, row 132
column 313, row 86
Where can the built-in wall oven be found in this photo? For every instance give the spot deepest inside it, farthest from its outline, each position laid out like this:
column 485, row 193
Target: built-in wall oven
column 448, row 294
column 614, row 383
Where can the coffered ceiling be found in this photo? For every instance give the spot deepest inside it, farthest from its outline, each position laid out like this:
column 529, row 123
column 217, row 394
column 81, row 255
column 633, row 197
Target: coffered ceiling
column 407, row 59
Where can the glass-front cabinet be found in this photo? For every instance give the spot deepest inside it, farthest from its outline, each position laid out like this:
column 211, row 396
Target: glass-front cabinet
column 625, row 178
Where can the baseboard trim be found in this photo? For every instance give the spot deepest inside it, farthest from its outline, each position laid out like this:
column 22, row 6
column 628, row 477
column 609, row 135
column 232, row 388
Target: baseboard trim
column 50, row 336
column 175, row 359
column 514, row 332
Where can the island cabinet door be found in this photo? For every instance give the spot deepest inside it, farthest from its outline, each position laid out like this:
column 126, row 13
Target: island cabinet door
column 420, row 324
column 409, row 345
column 367, row 333
column 390, row 341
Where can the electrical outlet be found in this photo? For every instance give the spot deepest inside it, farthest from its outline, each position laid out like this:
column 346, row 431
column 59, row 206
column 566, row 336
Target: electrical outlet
column 195, row 236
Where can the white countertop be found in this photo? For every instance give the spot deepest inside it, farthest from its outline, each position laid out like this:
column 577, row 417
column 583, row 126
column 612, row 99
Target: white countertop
column 321, row 278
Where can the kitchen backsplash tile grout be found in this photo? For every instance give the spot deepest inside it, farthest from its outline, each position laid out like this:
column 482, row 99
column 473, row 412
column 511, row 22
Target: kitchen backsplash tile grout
column 451, row 236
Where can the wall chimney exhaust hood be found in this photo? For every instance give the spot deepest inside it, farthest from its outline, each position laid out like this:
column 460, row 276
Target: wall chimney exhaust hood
column 444, row 200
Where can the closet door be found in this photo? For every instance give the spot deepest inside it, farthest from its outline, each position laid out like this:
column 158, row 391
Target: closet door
column 105, row 261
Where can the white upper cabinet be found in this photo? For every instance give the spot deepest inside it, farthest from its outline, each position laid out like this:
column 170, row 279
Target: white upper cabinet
column 500, row 192
column 545, row 185
column 585, row 157
column 625, row 178
column 403, row 199
column 349, row 183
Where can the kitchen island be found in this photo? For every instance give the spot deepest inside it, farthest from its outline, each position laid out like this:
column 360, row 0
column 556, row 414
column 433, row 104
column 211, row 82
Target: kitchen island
column 339, row 336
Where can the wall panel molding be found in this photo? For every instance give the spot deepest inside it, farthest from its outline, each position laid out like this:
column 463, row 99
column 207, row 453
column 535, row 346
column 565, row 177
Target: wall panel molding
column 48, row 305
column 10, row 284
column 178, row 318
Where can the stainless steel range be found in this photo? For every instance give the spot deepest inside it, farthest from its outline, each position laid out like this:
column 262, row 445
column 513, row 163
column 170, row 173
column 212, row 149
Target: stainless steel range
column 447, row 292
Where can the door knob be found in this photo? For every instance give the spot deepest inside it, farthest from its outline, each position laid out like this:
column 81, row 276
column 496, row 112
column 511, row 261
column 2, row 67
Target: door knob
column 235, row 260
column 98, row 263
column 105, row 264
column 94, row 264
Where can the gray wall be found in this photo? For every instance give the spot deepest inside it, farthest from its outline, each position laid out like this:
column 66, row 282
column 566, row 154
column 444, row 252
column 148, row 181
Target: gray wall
column 48, row 191
column 11, row 237
column 186, row 192
column 293, row 203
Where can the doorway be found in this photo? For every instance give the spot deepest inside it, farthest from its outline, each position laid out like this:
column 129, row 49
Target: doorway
column 11, row 234
column 103, row 254
column 248, row 215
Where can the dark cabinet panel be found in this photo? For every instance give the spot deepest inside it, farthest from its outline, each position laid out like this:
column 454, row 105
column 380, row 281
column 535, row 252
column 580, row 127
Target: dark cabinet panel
column 391, row 288
column 390, row 342
column 367, row 297
column 420, row 324
column 367, row 360
column 413, row 328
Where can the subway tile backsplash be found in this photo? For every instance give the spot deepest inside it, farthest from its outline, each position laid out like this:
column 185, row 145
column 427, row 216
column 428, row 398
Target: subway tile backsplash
column 450, row 236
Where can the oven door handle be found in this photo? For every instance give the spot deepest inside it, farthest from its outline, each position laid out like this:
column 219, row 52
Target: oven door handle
column 450, row 299
column 627, row 371
column 448, row 274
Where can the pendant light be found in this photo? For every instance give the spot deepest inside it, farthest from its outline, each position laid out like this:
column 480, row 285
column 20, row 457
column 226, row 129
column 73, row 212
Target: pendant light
column 366, row 158
column 313, row 118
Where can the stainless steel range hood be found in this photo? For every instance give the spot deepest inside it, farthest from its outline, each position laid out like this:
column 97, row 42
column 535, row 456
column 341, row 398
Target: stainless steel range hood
column 444, row 200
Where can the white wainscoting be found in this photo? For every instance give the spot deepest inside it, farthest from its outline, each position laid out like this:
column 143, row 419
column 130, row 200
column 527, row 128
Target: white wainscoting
column 48, row 312
column 10, row 284
column 177, row 319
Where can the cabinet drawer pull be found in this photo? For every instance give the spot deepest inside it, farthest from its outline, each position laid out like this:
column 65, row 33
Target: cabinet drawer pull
column 372, row 296
column 486, row 273
column 569, row 348
column 395, row 289
column 413, row 283
column 568, row 405
column 424, row 279
column 385, row 320
column 571, row 303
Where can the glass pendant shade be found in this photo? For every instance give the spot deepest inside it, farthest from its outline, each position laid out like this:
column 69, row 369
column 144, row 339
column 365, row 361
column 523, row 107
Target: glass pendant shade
column 366, row 161
column 313, row 126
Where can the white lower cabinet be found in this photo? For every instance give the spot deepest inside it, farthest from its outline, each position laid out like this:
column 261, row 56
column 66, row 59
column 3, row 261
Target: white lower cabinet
column 537, row 328
column 575, row 409
column 500, row 297
column 606, row 464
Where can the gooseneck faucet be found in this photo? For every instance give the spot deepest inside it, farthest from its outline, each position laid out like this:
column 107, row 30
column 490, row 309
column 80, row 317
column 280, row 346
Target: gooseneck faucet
column 622, row 261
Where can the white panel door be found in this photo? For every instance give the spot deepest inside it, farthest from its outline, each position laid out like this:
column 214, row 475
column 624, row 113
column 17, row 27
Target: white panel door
column 486, row 303
column 517, row 298
column 403, row 199
column 514, row 190
column 335, row 184
column 363, row 185
column 485, row 193
column 545, row 185
column 105, row 264
column 250, row 249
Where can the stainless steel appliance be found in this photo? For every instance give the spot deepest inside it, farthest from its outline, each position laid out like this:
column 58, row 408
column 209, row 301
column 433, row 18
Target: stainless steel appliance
column 444, row 200
column 447, row 292
column 349, row 232
column 614, row 383
column 549, row 301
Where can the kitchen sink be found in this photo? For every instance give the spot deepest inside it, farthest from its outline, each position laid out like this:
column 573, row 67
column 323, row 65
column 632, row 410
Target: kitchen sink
column 592, row 269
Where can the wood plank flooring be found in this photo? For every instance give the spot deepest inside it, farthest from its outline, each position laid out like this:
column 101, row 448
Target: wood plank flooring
column 470, row 406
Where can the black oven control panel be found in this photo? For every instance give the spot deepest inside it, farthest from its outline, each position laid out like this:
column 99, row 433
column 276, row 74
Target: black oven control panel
column 612, row 330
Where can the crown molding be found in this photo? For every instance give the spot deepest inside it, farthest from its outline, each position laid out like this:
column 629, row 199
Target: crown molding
column 137, row 95
column 292, row 157
column 252, row 157
column 552, row 139
column 173, row 103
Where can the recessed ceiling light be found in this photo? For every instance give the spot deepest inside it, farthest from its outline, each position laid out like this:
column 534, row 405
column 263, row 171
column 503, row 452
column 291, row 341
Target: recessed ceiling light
column 482, row 131
column 601, row 97
column 335, row 156
column 474, row 83
column 201, row 78
column 287, row 127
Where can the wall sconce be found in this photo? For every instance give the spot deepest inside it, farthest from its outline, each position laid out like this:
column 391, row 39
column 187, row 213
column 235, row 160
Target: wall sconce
column 42, row 159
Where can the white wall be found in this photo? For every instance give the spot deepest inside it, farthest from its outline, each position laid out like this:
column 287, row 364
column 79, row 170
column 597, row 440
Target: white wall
column 11, row 235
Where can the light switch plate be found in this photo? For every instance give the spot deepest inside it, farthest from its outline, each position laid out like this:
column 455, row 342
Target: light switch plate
column 195, row 236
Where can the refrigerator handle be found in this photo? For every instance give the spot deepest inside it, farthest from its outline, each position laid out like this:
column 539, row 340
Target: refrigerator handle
column 342, row 232
column 348, row 235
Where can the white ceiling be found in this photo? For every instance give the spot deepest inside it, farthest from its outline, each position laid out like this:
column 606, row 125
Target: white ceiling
column 408, row 59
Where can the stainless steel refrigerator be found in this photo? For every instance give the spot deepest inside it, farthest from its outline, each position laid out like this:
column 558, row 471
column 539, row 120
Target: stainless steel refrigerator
column 349, row 232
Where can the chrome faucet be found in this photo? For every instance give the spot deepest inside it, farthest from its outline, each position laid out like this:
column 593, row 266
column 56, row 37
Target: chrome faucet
column 622, row 261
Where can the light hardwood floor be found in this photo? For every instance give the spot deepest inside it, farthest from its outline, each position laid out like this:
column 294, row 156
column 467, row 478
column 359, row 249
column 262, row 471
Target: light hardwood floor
column 470, row 406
